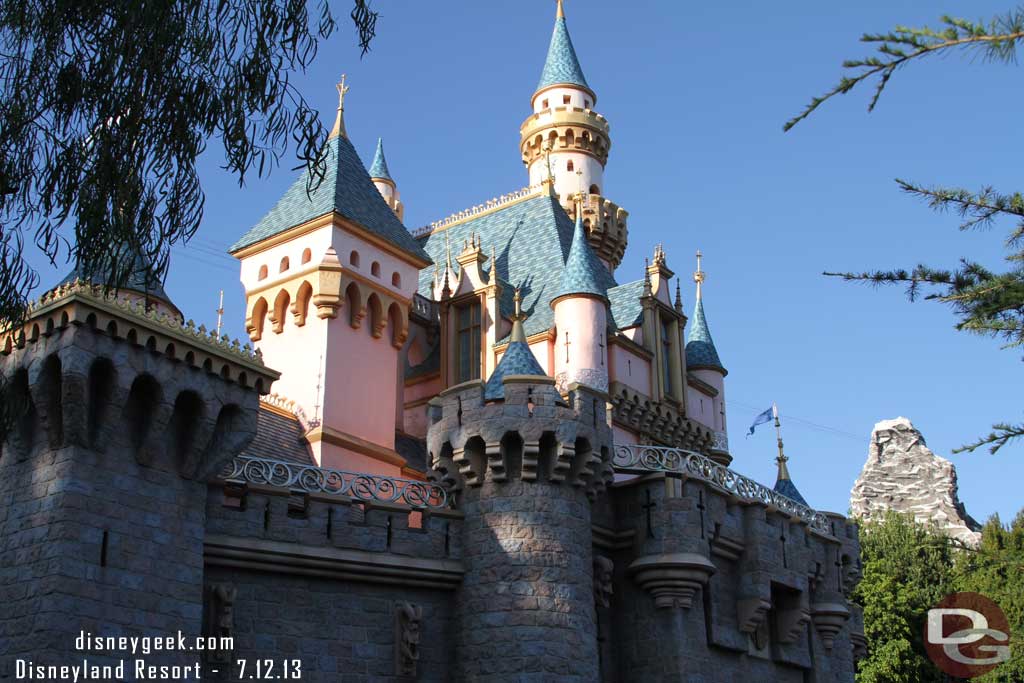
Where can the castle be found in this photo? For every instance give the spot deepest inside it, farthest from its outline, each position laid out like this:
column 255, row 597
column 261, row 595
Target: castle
column 466, row 452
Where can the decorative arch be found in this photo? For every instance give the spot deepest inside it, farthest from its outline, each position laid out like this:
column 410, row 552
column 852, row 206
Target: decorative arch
column 375, row 269
column 399, row 325
column 258, row 317
column 263, row 273
column 377, row 319
column 280, row 311
column 354, row 301
column 102, row 381
column 300, row 309
column 139, row 413
column 307, row 255
column 353, row 258
column 594, row 189
column 396, row 279
column 285, row 264
column 570, row 138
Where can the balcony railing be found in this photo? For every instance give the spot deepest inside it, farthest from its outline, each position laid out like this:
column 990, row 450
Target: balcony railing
column 421, row 495
column 631, row 459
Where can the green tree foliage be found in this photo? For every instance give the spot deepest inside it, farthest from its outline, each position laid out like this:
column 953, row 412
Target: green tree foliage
column 984, row 302
column 105, row 106
column 907, row 568
column 996, row 569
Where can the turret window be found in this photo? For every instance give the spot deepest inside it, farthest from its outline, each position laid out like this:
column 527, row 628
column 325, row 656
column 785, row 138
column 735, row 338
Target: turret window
column 566, row 99
column 467, row 342
column 544, row 104
column 569, row 166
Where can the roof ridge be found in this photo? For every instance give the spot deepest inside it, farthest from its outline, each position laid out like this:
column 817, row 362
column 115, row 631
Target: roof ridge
column 479, row 209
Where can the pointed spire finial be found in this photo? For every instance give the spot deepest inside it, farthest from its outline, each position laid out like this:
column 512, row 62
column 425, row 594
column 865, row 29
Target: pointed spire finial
column 518, row 333
column 339, row 121
column 781, row 458
column 698, row 275
column 647, row 278
column 560, row 12
column 448, row 249
column 679, row 298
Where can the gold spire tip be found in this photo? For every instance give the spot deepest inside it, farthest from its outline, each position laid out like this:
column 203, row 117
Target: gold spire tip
column 560, row 12
column 339, row 120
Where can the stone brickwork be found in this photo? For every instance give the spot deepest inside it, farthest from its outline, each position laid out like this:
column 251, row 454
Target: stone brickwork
column 118, row 517
column 524, row 468
column 101, row 498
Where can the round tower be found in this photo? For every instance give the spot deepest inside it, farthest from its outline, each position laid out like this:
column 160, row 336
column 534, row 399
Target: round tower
column 702, row 362
column 383, row 181
column 581, row 318
column 525, row 464
column 565, row 139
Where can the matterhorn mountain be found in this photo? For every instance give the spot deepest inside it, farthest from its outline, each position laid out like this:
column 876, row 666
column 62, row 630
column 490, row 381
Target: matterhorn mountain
column 902, row 474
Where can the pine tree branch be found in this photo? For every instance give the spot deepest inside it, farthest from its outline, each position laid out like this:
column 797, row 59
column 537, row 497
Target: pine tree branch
column 898, row 48
column 1001, row 435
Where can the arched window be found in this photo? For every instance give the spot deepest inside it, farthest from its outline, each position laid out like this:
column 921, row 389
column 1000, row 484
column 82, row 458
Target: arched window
column 355, row 306
column 353, row 258
column 396, row 321
column 280, row 310
column 569, row 166
column 377, row 319
column 594, row 189
column 570, row 138
column 396, row 280
column 306, row 255
column 375, row 269
column 285, row 263
column 257, row 319
column 566, row 99
column 263, row 273
column 301, row 307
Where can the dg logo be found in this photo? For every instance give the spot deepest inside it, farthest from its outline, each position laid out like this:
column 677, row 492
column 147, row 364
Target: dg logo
column 967, row 635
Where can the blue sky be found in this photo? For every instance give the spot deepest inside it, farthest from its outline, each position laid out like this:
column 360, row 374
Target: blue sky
column 696, row 94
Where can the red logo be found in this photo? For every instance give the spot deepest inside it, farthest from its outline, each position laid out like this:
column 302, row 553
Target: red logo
column 967, row 635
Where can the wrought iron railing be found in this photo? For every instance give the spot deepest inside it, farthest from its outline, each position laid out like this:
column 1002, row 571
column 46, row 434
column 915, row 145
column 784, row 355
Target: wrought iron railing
column 631, row 459
column 359, row 485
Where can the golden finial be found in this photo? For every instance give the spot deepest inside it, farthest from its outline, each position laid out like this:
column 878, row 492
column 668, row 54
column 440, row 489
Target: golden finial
column 518, row 299
column 698, row 275
column 781, row 459
column 560, row 12
column 339, row 121
column 518, row 334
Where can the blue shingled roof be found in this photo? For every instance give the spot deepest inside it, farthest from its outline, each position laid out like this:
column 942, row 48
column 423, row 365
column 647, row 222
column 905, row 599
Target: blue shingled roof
column 517, row 360
column 532, row 238
column 700, row 348
column 787, row 488
column 140, row 279
column 347, row 189
column 379, row 167
column 582, row 274
column 624, row 304
column 561, row 66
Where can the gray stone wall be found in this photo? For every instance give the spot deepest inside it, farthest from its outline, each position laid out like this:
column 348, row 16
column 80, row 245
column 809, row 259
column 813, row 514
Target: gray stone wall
column 339, row 630
column 101, row 515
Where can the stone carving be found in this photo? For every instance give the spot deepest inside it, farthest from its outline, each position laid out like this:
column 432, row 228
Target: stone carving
column 829, row 619
column 221, row 608
column 904, row 475
column 674, row 578
column 603, row 588
column 408, row 618
column 750, row 613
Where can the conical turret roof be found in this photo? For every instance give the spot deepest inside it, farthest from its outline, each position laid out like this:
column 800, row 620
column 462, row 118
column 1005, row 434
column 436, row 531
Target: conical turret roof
column 785, row 485
column 700, row 348
column 379, row 167
column 561, row 67
column 517, row 360
column 582, row 274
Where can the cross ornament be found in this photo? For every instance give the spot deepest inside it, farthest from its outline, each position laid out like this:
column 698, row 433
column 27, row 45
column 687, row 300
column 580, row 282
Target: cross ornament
column 600, row 343
column 342, row 89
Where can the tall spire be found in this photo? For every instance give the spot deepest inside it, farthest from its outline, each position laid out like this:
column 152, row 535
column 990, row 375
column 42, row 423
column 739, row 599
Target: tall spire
column 561, row 66
column 783, row 483
column 700, row 347
column 582, row 274
column 339, row 121
column 379, row 167
column 518, row 359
